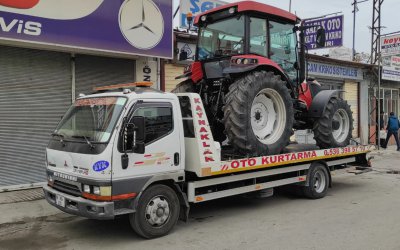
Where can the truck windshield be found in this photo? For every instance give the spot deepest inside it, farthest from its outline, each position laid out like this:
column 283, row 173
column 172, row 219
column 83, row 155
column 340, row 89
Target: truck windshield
column 222, row 38
column 91, row 118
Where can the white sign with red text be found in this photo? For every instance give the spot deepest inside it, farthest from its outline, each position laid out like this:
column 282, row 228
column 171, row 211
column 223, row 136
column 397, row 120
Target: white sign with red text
column 390, row 45
column 285, row 159
column 203, row 134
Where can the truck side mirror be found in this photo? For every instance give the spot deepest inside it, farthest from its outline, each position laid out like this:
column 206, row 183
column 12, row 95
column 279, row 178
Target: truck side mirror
column 321, row 38
column 134, row 135
column 139, row 127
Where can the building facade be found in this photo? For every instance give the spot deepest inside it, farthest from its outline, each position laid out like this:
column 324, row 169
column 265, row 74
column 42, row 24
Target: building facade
column 53, row 56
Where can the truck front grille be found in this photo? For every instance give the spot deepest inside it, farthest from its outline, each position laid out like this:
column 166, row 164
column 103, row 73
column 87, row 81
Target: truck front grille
column 67, row 188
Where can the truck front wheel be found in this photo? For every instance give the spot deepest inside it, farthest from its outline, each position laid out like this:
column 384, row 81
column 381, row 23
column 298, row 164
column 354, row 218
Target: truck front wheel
column 157, row 212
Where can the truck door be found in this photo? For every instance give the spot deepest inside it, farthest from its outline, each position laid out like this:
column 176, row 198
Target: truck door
column 162, row 143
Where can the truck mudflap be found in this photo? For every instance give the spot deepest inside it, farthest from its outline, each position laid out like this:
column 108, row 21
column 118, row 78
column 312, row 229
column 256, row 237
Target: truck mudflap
column 78, row 205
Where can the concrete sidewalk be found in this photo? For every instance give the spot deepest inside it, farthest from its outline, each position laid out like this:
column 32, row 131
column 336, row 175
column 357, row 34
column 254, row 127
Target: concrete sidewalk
column 24, row 206
column 28, row 205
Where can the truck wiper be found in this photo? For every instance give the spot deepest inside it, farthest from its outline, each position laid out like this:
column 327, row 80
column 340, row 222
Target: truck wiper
column 59, row 136
column 86, row 139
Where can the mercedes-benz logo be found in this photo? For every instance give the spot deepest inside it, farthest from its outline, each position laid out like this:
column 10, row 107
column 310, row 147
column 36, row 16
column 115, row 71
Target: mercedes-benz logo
column 141, row 23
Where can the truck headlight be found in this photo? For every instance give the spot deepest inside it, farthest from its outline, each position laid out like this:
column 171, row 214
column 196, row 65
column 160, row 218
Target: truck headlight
column 86, row 188
column 50, row 180
column 105, row 191
column 96, row 190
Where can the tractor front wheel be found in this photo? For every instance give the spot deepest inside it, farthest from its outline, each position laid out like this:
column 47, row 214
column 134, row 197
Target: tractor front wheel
column 258, row 114
column 335, row 126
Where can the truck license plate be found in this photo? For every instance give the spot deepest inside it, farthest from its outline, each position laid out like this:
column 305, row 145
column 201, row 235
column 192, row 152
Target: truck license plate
column 60, row 201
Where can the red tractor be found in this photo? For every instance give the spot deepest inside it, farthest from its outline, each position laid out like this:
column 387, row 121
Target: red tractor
column 251, row 73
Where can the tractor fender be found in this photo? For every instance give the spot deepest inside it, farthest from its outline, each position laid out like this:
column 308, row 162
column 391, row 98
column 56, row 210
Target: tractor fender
column 238, row 69
column 320, row 101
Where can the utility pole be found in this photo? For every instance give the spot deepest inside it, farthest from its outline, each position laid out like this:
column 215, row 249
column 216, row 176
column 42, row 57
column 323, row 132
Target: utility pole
column 354, row 25
column 375, row 59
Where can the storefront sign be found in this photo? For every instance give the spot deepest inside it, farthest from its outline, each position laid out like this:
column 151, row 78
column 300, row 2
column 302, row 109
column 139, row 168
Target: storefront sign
column 390, row 51
column 395, row 62
column 390, row 45
column 195, row 7
column 389, row 73
column 187, row 52
column 146, row 70
column 336, row 71
column 333, row 30
column 130, row 27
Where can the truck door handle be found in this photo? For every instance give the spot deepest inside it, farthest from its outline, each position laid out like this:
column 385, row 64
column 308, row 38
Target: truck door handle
column 176, row 159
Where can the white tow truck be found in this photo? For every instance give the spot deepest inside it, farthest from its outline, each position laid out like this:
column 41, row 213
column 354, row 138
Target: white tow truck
column 130, row 149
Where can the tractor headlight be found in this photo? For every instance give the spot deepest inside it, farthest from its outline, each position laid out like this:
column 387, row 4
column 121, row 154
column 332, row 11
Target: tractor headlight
column 203, row 18
column 243, row 61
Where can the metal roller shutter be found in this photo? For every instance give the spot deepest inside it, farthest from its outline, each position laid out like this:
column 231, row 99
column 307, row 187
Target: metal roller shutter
column 92, row 71
column 351, row 96
column 35, row 91
column 331, row 83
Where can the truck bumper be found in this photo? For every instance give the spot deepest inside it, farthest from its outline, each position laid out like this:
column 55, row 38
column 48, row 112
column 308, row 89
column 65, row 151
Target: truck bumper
column 79, row 206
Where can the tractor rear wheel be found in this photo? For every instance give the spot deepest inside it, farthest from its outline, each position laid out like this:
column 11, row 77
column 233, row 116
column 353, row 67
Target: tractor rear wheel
column 335, row 126
column 258, row 114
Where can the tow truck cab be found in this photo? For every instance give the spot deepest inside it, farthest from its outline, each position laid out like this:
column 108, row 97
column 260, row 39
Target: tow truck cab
column 96, row 164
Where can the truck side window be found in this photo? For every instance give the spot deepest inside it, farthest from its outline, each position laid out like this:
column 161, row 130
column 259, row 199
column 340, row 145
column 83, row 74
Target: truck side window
column 158, row 122
column 187, row 119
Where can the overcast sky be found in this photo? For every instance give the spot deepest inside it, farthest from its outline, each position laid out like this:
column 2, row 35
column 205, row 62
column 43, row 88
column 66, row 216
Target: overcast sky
column 312, row 8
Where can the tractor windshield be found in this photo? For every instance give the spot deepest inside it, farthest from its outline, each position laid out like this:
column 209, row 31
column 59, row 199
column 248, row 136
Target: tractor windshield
column 283, row 46
column 222, row 38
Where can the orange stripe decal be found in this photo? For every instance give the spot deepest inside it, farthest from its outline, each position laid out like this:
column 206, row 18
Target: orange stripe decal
column 108, row 198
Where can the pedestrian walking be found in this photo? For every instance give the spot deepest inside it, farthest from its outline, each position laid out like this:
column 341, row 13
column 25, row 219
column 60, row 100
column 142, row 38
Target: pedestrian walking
column 393, row 129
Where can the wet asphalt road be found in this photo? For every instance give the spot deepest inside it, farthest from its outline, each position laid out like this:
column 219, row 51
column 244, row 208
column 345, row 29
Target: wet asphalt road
column 359, row 212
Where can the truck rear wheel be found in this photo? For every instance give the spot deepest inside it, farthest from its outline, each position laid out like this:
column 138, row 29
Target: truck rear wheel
column 157, row 212
column 258, row 114
column 318, row 182
column 335, row 126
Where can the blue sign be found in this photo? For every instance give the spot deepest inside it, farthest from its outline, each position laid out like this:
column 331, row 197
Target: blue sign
column 101, row 166
column 130, row 27
column 329, row 70
column 196, row 7
column 333, row 32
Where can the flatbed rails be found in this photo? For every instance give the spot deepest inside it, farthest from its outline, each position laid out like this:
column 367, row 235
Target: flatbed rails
column 260, row 173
